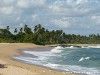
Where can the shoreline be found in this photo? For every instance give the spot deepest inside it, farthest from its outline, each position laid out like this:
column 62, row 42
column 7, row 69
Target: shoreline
column 79, row 45
column 48, row 48
column 8, row 50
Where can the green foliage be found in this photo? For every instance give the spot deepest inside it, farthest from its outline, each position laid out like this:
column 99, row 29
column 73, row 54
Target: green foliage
column 27, row 30
column 42, row 36
column 15, row 31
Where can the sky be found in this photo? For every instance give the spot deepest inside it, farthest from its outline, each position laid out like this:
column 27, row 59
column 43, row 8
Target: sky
column 71, row 16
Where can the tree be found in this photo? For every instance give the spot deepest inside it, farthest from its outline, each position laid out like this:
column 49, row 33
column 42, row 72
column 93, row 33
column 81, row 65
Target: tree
column 21, row 31
column 27, row 30
column 8, row 28
column 4, row 33
column 15, row 31
column 37, row 28
column 43, row 36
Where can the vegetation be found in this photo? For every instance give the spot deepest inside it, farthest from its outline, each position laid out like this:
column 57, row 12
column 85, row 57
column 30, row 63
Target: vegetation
column 40, row 35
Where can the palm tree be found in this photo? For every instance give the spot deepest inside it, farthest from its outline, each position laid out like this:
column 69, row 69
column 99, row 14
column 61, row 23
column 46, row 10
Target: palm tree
column 27, row 30
column 15, row 31
column 8, row 28
column 21, row 30
column 37, row 28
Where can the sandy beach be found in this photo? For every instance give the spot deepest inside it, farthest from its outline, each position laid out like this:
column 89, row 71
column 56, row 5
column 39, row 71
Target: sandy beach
column 13, row 67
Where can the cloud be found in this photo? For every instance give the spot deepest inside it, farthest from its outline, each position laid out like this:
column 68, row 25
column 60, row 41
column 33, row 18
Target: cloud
column 61, row 23
column 7, row 10
column 96, row 19
column 30, row 3
column 70, row 2
column 6, row 2
column 81, row 1
column 34, row 16
column 23, row 4
column 73, row 16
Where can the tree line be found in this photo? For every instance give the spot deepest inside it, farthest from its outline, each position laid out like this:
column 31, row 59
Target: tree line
column 42, row 36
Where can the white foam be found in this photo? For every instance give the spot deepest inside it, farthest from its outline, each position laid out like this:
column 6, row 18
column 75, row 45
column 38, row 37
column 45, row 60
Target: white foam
column 84, row 47
column 41, row 56
column 44, row 56
column 74, row 69
column 57, row 49
column 27, row 59
column 72, row 47
column 36, row 53
column 84, row 58
column 30, row 60
column 94, row 46
column 90, row 47
column 87, row 58
column 81, row 59
column 81, row 70
column 52, row 65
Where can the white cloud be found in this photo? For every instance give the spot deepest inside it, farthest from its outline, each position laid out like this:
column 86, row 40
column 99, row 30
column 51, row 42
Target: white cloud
column 61, row 23
column 21, row 25
column 23, row 3
column 96, row 19
column 7, row 10
column 70, row 2
column 2, row 26
column 70, row 15
column 34, row 16
column 18, row 18
column 7, row 2
column 55, row 8
column 81, row 1
column 30, row 3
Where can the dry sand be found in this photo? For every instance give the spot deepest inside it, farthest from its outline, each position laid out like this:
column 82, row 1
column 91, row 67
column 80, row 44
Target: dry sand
column 13, row 67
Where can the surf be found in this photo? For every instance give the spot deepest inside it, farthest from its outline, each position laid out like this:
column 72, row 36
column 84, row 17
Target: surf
column 67, row 59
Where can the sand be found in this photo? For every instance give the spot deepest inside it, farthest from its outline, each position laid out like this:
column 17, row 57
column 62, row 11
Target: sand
column 14, row 67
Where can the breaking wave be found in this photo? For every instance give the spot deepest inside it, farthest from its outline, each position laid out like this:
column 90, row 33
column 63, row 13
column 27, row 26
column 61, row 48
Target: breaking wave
column 67, row 59
column 90, row 47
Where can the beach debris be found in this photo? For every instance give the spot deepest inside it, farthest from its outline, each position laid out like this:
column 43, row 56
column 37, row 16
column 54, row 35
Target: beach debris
column 2, row 66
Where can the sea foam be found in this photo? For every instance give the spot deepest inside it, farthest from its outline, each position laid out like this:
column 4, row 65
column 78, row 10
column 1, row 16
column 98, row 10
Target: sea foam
column 84, row 58
column 57, row 49
column 90, row 47
column 64, row 59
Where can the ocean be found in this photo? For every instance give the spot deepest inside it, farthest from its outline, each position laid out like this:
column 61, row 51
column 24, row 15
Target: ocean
column 80, row 60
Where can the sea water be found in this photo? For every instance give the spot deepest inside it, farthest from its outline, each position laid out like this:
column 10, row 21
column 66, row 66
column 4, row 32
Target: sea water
column 83, row 60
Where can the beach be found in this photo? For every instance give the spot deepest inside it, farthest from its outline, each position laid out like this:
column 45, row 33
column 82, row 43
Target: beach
column 14, row 67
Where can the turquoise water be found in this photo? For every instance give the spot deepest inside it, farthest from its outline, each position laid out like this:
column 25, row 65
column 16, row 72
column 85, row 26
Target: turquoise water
column 84, row 60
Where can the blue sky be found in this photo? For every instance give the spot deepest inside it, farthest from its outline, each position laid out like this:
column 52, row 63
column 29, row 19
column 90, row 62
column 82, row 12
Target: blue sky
column 72, row 16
